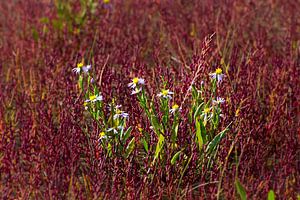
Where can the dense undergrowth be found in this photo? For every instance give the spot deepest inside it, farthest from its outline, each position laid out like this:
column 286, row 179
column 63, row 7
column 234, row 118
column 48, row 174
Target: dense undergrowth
column 64, row 135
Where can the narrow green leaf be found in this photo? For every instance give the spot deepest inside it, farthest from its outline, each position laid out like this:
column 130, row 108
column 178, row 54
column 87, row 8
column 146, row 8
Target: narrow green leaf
column 198, row 134
column 175, row 127
column 145, row 144
column 44, row 20
column 198, row 110
column 126, row 134
column 216, row 141
column 240, row 189
column 130, row 147
column 159, row 146
column 165, row 120
column 175, row 157
column 155, row 124
column 80, row 82
column 35, row 34
column 203, row 131
column 271, row 195
column 194, row 92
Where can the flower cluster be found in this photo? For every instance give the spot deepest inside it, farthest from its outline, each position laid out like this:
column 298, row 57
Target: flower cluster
column 80, row 67
column 136, row 85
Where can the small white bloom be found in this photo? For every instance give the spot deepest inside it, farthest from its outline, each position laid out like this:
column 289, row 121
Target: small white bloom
column 136, row 91
column 102, row 135
column 135, row 82
column 218, row 101
column 94, row 98
column 217, row 75
column 165, row 94
column 76, row 70
column 206, row 114
column 121, row 114
column 174, row 108
column 80, row 67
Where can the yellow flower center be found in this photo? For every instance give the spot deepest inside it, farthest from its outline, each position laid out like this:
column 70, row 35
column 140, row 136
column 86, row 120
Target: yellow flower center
column 79, row 65
column 106, row 1
column 93, row 97
column 135, row 80
column 102, row 134
column 206, row 110
column 118, row 111
column 85, row 104
column 175, row 107
column 165, row 92
column 219, row 71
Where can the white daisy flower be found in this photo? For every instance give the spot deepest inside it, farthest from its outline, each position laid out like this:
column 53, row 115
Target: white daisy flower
column 165, row 94
column 136, row 91
column 175, row 107
column 120, row 113
column 135, row 82
column 80, row 67
column 218, row 101
column 217, row 75
column 102, row 135
column 76, row 70
column 206, row 114
column 94, row 98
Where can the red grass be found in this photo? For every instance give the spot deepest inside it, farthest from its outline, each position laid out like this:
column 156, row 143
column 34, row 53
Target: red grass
column 44, row 150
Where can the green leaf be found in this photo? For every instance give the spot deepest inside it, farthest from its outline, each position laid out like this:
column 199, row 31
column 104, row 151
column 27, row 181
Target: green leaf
column 240, row 189
column 159, row 146
column 57, row 24
column 130, row 147
column 35, row 34
column 145, row 144
column 165, row 120
column 271, row 195
column 175, row 127
column 198, row 110
column 194, row 92
column 126, row 135
column 216, row 141
column 94, row 7
column 44, row 20
column 199, row 135
column 80, row 82
column 155, row 124
column 175, row 157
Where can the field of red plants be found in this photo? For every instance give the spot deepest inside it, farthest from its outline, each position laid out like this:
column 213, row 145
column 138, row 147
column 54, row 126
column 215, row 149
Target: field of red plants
column 149, row 99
